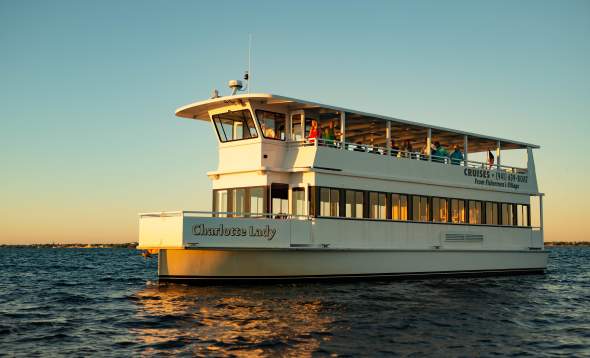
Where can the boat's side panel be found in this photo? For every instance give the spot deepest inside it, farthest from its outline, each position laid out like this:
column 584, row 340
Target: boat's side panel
column 227, row 263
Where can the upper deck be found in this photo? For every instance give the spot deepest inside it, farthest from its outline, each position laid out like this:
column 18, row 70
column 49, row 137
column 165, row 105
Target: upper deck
column 270, row 133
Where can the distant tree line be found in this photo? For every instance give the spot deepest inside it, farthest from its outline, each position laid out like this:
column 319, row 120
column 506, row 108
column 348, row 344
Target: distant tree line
column 126, row 245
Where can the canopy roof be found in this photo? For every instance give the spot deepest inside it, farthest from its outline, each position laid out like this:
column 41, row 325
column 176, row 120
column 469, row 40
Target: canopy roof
column 401, row 129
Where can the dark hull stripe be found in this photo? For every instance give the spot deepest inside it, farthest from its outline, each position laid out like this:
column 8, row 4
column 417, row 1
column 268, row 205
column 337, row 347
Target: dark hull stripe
column 348, row 277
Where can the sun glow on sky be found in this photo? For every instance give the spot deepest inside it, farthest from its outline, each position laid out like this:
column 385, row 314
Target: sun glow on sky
column 88, row 91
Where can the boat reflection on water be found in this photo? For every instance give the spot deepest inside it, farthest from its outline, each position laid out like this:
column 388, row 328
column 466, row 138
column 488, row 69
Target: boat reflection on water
column 176, row 318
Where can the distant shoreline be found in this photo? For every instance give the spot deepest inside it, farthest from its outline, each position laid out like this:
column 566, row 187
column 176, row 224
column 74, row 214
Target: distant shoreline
column 133, row 245
column 126, row 245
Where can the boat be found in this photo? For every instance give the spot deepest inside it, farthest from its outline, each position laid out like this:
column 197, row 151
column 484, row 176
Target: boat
column 308, row 191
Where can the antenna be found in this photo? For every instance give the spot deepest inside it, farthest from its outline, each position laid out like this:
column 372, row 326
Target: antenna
column 249, row 62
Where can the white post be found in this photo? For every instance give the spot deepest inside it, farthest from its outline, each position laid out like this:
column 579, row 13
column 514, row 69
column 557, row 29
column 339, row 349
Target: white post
column 541, row 212
column 465, row 149
column 428, row 144
column 342, row 130
column 498, row 155
column 388, row 137
column 306, row 196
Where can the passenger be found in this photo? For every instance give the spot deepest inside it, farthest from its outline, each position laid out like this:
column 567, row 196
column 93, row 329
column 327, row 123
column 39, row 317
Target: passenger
column 440, row 153
column 394, row 148
column 313, row 131
column 329, row 136
column 456, row 156
column 427, row 152
column 408, row 149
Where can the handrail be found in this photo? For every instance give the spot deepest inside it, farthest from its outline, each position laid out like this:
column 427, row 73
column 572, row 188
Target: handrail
column 399, row 153
column 239, row 215
column 230, row 214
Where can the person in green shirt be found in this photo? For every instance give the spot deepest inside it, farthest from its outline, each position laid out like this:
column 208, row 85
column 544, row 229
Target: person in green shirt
column 440, row 153
column 329, row 135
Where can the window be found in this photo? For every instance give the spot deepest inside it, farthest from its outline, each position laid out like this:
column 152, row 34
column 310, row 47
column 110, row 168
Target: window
column 354, row 204
column 522, row 215
column 507, row 214
column 238, row 201
column 399, row 207
column 329, row 202
column 257, row 200
column 272, row 124
column 491, row 213
column 220, row 202
column 457, row 211
column 440, row 210
column 377, row 208
column 420, row 208
column 475, row 212
column 298, row 200
column 235, row 125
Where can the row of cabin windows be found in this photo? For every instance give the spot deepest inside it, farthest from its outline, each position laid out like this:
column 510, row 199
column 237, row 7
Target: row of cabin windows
column 402, row 207
column 253, row 201
column 242, row 201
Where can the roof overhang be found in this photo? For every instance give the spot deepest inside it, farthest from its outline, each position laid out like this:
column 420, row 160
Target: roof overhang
column 200, row 110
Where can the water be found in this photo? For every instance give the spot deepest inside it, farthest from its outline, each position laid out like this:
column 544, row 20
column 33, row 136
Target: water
column 107, row 302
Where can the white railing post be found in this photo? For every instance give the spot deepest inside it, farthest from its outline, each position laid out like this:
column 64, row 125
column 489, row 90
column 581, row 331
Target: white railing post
column 541, row 212
column 343, row 129
column 388, row 138
column 428, row 144
column 498, row 155
column 465, row 149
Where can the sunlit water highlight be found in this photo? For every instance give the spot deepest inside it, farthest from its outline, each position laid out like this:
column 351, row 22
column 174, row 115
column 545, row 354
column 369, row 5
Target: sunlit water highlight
column 107, row 302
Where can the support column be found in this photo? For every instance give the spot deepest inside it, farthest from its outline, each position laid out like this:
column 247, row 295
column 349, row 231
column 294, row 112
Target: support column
column 388, row 137
column 541, row 212
column 428, row 144
column 465, row 150
column 306, row 198
column 498, row 155
column 342, row 130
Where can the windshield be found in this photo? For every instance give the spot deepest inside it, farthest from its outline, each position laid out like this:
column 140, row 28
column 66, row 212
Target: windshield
column 236, row 125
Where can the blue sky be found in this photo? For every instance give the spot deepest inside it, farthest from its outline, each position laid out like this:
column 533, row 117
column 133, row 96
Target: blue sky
column 88, row 91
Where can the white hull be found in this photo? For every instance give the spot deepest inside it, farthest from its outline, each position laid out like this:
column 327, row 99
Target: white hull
column 301, row 264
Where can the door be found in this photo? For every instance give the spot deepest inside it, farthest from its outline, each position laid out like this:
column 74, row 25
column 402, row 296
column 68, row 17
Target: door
column 297, row 126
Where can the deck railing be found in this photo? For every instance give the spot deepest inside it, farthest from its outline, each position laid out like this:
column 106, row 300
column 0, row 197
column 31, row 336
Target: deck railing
column 284, row 216
column 402, row 154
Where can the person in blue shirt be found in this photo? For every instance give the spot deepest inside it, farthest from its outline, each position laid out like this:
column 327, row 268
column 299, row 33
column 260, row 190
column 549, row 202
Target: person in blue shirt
column 456, row 156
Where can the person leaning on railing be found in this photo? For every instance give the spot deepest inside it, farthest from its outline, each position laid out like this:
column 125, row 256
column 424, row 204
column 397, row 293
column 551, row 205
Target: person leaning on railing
column 329, row 135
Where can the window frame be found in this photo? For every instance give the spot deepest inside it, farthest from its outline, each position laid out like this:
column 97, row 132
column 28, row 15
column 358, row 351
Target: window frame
column 215, row 122
column 257, row 111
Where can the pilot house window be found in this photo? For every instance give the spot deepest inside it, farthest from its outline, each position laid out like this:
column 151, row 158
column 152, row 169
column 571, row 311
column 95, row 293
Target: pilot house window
column 272, row 124
column 236, row 125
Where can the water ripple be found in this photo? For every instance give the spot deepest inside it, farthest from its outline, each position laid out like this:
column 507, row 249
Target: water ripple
column 108, row 302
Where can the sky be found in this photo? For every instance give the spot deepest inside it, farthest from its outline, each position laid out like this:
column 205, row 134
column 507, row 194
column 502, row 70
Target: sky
column 88, row 90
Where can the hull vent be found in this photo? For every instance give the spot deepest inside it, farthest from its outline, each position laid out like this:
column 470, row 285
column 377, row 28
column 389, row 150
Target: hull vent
column 463, row 237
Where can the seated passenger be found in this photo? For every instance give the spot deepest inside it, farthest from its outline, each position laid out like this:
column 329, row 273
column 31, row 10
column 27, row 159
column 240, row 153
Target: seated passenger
column 456, row 156
column 313, row 131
